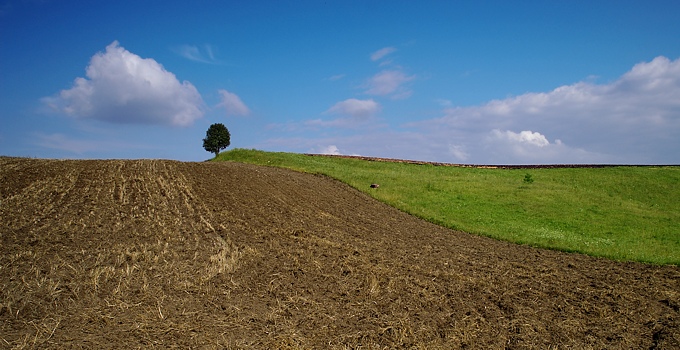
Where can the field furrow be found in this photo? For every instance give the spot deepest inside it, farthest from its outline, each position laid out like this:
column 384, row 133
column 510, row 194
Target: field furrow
column 152, row 253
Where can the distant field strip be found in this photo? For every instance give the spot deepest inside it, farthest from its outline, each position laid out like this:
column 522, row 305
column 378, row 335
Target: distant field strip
column 618, row 212
column 486, row 166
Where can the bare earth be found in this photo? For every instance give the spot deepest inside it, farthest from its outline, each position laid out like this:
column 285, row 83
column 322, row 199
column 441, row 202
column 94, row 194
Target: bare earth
column 154, row 253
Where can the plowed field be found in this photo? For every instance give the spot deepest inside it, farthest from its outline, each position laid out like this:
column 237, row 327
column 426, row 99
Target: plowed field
column 153, row 253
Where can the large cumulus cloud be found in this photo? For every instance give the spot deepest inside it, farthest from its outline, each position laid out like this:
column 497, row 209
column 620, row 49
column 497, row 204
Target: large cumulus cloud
column 121, row 87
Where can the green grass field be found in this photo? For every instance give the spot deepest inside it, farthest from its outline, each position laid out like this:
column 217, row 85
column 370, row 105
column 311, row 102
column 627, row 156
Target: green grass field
column 622, row 213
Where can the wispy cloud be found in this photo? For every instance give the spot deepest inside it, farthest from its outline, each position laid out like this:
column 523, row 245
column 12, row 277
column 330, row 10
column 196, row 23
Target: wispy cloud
column 124, row 88
column 355, row 108
column 350, row 114
column 232, row 103
column 389, row 82
column 382, row 53
column 202, row 54
column 336, row 77
column 353, row 113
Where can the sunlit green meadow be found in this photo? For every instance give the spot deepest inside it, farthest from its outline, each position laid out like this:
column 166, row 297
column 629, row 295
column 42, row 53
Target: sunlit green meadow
column 622, row 213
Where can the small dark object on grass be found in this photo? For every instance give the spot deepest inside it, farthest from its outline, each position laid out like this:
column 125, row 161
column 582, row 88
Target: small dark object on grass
column 375, row 185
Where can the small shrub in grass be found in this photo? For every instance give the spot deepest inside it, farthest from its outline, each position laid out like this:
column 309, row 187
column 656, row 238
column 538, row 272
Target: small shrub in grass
column 528, row 179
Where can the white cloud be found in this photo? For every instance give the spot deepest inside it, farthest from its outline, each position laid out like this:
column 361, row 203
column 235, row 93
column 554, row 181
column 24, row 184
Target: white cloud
column 527, row 147
column 389, row 82
column 330, row 149
column 382, row 53
column 525, row 137
column 355, row 108
column 233, row 104
column 203, row 54
column 632, row 120
column 354, row 113
column 459, row 153
column 124, row 88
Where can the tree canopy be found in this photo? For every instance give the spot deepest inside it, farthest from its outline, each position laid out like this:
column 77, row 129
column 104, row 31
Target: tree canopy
column 216, row 138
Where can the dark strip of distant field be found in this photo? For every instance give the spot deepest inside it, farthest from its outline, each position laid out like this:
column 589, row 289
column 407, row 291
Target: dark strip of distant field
column 518, row 166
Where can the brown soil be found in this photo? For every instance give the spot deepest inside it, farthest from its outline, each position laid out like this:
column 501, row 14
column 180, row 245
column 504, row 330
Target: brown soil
column 153, row 253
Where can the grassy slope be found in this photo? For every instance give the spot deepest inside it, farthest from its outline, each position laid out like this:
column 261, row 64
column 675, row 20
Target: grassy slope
column 623, row 213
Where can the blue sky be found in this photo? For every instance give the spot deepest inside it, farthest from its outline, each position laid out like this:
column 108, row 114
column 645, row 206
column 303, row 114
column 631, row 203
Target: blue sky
column 476, row 82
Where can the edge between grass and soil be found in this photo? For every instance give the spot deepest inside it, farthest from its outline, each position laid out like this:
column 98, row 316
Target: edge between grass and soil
column 625, row 213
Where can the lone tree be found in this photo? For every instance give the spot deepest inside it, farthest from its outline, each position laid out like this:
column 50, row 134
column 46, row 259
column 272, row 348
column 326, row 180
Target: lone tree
column 216, row 138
